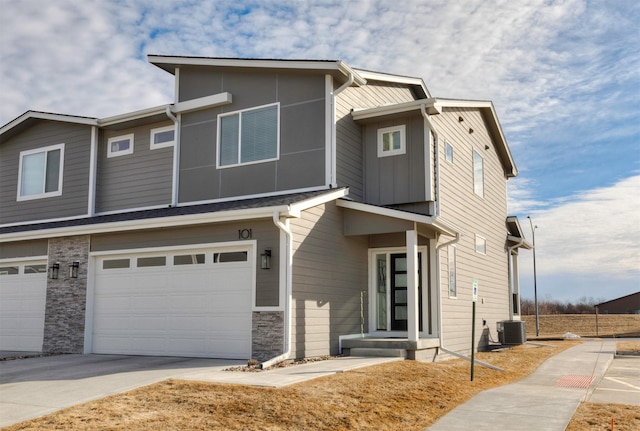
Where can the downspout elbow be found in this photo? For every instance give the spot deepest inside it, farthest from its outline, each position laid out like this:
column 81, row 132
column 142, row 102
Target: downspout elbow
column 345, row 85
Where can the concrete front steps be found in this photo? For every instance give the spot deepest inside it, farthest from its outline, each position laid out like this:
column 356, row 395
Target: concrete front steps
column 424, row 349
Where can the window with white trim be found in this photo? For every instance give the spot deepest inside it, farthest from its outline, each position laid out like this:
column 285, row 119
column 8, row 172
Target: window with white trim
column 448, row 151
column 120, row 145
column 481, row 245
column 162, row 137
column 392, row 141
column 249, row 136
column 40, row 172
column 478, row 174
column 451, row 260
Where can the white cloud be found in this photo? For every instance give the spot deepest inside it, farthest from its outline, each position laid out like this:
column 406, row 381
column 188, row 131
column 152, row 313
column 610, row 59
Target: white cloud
column 595, row 232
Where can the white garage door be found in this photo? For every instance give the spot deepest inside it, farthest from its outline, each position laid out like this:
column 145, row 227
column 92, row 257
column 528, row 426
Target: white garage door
column 194, row 303
column 23, row 292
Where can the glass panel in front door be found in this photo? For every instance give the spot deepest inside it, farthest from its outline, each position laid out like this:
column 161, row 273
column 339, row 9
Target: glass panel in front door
column 381, row 292
column 398, row 287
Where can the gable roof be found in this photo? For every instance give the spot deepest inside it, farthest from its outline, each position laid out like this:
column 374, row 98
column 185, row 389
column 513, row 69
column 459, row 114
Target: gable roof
column 435, row 105
column 28, row 118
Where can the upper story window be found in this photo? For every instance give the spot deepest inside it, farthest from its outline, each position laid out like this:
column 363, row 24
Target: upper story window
column 481, row 245
column 448, row 151
column 120, row 145
column 478, row 174
column 249, row 136
column 391, row 141
column 40, row 172
column 162, row 137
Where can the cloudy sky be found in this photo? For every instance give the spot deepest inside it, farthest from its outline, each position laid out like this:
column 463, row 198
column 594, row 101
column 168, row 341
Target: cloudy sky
column 564, row 76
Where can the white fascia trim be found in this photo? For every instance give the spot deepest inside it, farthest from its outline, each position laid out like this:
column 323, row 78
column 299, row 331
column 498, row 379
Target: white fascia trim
column 296, row 208
column 320, row 66
column 24, row 259
column 143, row 113
column 203, row 103
column 432, row 105
column 161, row 222
column 398, row 79
column 516, row 239
column 48, row 116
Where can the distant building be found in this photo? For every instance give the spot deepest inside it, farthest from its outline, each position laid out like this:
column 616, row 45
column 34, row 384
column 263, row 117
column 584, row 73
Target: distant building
column 629, row 304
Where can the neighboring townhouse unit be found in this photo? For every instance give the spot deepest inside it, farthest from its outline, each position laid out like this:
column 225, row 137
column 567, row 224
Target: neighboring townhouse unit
column 277, row 209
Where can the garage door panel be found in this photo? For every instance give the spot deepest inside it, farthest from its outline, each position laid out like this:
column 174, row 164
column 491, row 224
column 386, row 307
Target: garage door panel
column 22, row 308
column 186, row 310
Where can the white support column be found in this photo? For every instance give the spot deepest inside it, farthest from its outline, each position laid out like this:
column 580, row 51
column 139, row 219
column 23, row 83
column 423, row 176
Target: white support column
column 413, row 326
column 434, row 282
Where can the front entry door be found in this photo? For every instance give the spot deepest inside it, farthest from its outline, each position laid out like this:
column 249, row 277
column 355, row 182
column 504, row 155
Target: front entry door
column 398, row 291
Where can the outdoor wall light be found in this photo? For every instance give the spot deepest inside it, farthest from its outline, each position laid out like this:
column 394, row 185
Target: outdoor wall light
column 73, row 269
column 53, row 271
column 266, row 259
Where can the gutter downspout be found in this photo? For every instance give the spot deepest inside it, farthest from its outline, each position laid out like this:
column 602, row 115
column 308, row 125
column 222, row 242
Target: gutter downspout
column 509, row 272
column 176, row 157
column 284, row 228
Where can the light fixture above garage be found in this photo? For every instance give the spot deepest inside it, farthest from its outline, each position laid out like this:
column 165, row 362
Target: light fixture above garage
column 266, row 259
column 73, row 269
column 53, row 271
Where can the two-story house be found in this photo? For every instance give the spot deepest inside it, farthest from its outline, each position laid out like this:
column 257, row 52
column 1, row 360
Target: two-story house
column 277, row 209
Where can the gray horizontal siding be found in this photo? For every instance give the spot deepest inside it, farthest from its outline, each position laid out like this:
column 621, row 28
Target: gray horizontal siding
column 329, row 273
column 472, row 215
column 75, row 183
column 136, row 180
column 302, row 142
column 9, row 250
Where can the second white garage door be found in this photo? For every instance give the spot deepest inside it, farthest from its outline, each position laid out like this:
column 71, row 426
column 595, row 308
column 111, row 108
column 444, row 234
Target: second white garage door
column 194, row 303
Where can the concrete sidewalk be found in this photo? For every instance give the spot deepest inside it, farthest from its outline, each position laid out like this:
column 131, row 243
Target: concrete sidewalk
column 34, row 387
column 545, row 400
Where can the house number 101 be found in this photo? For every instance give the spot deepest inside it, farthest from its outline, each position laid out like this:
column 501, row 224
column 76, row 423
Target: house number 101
column 244, row 233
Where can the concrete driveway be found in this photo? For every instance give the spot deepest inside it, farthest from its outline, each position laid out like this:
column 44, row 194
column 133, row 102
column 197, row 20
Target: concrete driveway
column 34, row 387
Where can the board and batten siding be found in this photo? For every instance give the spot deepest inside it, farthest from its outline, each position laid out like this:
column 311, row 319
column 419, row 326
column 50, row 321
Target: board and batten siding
column 350, row 157
column 329, row 273
column 397, row 179
column 472, row 214
column 301, row 161
column 138, row 180
column 75, row 182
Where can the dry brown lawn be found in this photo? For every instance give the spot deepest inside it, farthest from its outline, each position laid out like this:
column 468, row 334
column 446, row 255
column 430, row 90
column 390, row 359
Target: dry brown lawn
column 600, row 417
column 584, row 325
column 407, row 395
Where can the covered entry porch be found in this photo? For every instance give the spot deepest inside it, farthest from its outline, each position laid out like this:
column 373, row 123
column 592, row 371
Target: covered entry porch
column 402, row 306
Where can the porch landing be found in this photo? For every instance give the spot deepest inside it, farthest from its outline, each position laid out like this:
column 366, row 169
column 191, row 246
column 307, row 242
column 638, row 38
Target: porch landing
column 425, row 349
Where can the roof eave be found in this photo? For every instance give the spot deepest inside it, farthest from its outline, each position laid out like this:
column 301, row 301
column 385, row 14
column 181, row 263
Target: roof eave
column 37, row 115
column 169, row 64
